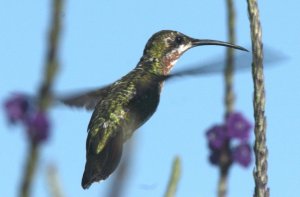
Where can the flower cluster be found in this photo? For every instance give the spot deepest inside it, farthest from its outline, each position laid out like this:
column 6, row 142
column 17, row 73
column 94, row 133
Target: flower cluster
column 220, row 141
column 23, row 109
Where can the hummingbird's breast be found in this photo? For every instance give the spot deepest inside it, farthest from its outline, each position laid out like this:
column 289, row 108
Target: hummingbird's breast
column 145, row 102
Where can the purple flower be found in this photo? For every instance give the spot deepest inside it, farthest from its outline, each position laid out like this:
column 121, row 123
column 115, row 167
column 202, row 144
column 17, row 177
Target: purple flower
column 16, row 108
column 214, row 157
column 242, row 154
column 38, row 126
column 216, row 136
column 238, row 126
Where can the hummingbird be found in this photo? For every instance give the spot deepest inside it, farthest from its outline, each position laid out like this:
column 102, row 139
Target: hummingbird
column 122, row 107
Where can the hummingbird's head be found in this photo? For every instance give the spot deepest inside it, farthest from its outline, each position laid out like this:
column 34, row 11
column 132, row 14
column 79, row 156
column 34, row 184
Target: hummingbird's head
column 167, row 46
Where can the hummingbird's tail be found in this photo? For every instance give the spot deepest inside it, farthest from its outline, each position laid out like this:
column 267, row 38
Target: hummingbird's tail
column 100, row 166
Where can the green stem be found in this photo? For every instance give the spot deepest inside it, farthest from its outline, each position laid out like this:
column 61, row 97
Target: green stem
column 228, row 74
column 53, row 182
column 229, row 96
column 51, row 65
column 260, row 148
column 29, row 171
column 222, row 185
column 174, row 179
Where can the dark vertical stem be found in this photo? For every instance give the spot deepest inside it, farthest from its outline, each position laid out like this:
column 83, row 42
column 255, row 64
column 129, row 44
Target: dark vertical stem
column 118, row 183
column 122, row 177
column 174, row 178
column 229, row 95
column 228, row 74
column 29, row 171
column 260, row 148
column 222, row 185
column 51, row 66
column 224, row 166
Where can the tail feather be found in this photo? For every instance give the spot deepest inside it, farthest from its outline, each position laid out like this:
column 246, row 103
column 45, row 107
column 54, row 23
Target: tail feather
column 100, row 166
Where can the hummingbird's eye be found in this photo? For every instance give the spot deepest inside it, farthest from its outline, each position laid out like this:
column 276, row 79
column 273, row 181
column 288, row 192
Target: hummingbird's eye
column 179, row 40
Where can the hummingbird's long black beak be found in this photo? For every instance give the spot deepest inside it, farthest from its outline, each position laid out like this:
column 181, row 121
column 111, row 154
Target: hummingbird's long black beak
column 198, row 42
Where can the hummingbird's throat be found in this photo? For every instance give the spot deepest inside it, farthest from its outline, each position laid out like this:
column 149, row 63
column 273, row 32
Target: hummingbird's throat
column 172, row 57
column 169, row 61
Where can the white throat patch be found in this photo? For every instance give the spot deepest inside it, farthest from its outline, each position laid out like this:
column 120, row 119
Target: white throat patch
column 178, row 51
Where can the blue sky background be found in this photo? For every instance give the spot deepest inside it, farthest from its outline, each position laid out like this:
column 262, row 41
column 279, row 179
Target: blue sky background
column 102, row 41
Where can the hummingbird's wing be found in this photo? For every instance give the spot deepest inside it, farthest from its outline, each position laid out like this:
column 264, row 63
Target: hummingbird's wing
column 130, row 103
column 87, row 99
column 100, row 166
column 108, row 125
column 242, row 62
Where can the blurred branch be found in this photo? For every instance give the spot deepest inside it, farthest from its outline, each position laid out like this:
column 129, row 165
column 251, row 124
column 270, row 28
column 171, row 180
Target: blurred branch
column 29, row 170
column 222, row 185
column 121, row 178
column 242, row 62
column 260, row 149
column 229, row 95
column 51, row 66
column 173, row 182
column 228, row 73
column 53, row 182
column 118, row 184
